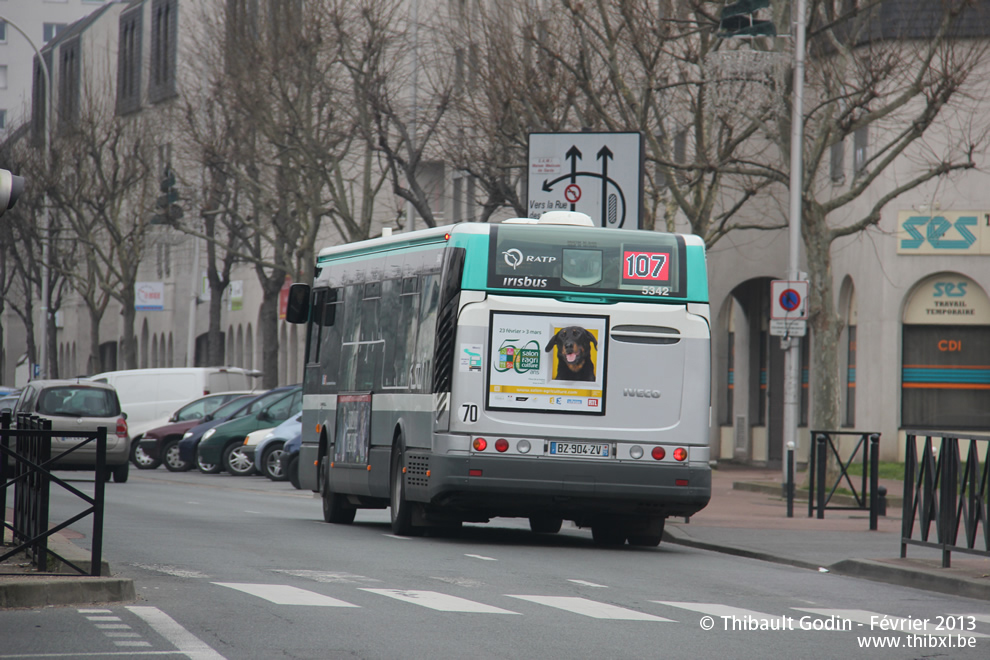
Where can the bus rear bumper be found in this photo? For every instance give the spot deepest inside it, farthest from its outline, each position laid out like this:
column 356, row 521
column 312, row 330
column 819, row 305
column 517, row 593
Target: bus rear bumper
column 572, row 489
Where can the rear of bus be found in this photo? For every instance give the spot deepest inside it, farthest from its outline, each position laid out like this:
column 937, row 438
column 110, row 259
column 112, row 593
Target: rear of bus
column 580, row 386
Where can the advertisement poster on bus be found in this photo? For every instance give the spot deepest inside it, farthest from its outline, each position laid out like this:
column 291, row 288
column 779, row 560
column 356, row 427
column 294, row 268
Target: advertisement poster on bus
column 353, row 429
column 547, row 363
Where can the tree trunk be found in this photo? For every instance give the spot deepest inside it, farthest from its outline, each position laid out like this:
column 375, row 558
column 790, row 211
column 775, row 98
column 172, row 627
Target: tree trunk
column 215, row 355
column 826, row 326
column 94, row 365
column 268, row 325
column 129, row 341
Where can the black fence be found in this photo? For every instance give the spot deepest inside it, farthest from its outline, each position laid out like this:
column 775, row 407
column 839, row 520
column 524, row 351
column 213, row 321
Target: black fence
column 27, row 468
column 942, row 489
column 867, row 451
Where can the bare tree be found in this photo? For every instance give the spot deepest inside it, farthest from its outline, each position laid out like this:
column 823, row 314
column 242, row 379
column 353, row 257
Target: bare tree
column 100, row 179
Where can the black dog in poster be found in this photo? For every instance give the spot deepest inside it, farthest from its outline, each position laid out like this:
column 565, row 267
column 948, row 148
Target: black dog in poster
column 573, row 353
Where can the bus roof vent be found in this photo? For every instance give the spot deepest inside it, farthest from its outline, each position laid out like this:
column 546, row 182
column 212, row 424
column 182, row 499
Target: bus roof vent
column 566, row 218
column 520, row 221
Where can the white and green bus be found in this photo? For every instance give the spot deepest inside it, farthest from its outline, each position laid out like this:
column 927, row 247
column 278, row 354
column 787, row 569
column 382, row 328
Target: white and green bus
column 548, row 370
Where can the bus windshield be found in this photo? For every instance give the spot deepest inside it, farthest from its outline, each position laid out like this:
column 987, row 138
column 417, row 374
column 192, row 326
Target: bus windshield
column 587, row 260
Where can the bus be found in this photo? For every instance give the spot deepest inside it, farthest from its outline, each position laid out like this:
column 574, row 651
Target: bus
column 543, row 369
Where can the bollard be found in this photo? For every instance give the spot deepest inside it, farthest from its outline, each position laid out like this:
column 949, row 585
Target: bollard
column 820, row 460
column 882, row 501
column 790, row 480
column 873, row 458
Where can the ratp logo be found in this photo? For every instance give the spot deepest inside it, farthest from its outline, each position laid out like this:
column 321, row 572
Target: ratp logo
column 513, row 257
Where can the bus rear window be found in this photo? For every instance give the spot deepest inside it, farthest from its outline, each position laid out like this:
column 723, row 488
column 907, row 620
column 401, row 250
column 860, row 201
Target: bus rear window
column 557, row 258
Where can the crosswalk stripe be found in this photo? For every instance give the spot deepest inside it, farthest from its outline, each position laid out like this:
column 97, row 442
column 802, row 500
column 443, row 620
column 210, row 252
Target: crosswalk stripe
column 872, row 620
column 282, row 594
column 591, row 608
column 438, row 601
column 732, row 613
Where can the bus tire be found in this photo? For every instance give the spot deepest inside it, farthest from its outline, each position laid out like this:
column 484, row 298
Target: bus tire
column 608, row 535
column 400, row 508
column 336, row 508
column 545, row 524
column 649, row 539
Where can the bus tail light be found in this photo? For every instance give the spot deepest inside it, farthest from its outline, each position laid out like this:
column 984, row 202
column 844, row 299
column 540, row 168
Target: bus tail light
column 658, row 453
column 480, row 444
column 680, row 454
column 501, row 445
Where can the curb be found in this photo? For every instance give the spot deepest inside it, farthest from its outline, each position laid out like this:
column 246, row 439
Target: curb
column 64, row 586
column 918, row 578
column 678, row 538
column 877, row 571
column 39, row 591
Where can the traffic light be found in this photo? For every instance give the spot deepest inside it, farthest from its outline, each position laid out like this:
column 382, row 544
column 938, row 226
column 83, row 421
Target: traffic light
column 167, row 203
column 11, row 187
column 737, row 20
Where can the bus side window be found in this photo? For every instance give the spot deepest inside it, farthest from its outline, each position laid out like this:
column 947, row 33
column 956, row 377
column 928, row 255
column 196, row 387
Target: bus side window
column 400, row 309
column 429, row 300
column 315, row 326
column 330, row 352
column 350, row 335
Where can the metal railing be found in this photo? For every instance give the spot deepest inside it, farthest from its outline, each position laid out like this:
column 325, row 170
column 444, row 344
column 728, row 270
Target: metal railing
column 868, row 496
column 947, row 492
column 28, row 468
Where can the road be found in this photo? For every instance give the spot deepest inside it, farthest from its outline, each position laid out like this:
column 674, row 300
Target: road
column 243, row 568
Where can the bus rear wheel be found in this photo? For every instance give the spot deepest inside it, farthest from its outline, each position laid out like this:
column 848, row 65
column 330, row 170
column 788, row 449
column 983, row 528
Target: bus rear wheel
column 545, row 524
column 401, row 509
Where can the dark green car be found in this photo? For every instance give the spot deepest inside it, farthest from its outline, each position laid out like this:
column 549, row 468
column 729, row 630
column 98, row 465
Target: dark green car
column 220, row 445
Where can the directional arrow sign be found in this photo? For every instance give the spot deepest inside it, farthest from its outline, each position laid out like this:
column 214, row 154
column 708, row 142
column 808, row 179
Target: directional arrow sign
column 608, row 188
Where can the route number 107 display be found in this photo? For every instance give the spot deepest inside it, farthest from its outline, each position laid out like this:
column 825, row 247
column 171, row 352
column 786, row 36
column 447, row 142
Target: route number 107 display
column 650, row 266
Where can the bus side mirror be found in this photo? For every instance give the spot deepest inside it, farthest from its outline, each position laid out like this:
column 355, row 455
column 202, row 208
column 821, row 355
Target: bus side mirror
column 297, row 307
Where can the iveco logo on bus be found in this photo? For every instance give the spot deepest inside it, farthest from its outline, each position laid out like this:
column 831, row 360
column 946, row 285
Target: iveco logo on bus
column 641, row 394
column 515, row 258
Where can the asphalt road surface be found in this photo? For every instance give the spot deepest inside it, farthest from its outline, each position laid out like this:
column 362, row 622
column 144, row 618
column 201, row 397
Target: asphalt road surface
column 244, row 568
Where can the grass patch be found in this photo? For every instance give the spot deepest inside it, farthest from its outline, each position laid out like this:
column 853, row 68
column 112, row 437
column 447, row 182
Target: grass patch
column 884, row 470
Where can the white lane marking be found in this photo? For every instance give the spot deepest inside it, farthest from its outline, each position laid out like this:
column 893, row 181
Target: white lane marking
column 88, row 611
column 585, row 583
column 438, row 601
column 257, row 513
column 393, row 536
column 591, row 608
column 482, row 557
column 131, row 644
column 122, row 634
column 719, row 611
column 174, row 571
column 329, row 577
column 113, row 626
column 183, row 640
column 103, row 618
column 872, row 620
column 283, row 594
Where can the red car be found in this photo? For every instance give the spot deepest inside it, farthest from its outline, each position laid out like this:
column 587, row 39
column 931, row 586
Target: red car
column 161, row 445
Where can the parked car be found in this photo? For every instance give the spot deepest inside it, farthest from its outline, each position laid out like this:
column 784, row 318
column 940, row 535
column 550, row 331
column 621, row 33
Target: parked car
column 219, row 444
column 191, row 439
column 7, row 401
column 80, row 405
column 268, row 451
column 289, row 461
column 161, row 444
column 150, row 396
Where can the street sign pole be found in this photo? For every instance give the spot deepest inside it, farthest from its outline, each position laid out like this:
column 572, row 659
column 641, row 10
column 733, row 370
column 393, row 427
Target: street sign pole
column 792, row 356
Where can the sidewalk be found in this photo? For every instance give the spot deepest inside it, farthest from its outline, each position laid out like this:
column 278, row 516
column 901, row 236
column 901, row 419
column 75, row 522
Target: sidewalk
column 747, row 517
column 22, row 586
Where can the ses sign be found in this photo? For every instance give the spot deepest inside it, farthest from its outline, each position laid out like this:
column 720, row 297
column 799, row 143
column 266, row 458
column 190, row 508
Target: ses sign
column 949, row 232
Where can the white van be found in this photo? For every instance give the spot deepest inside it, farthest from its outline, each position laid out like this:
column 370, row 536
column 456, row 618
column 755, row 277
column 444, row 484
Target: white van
column 150, row 396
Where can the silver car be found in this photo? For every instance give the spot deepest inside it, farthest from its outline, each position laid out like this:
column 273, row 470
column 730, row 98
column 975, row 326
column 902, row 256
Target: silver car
column 79, row 405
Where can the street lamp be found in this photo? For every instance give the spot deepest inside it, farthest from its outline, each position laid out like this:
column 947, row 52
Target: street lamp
column 43, row 351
